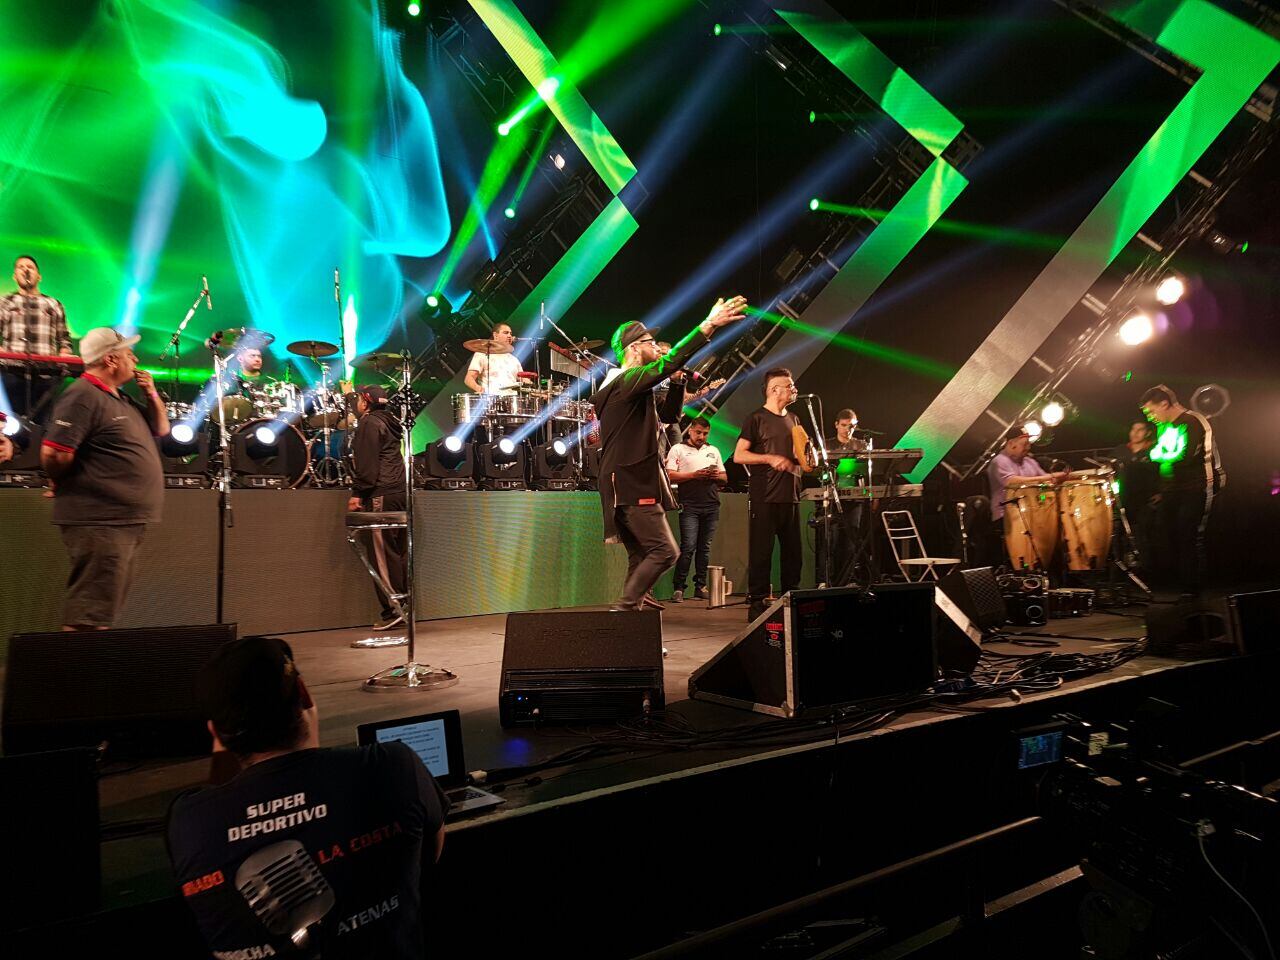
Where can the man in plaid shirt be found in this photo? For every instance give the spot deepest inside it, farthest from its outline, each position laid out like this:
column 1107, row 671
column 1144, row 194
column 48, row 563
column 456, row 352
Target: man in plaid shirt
column 30, row 322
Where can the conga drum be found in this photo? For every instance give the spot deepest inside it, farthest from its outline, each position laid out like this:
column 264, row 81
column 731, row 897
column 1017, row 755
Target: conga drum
column 1031, row 526
column 1085, row 507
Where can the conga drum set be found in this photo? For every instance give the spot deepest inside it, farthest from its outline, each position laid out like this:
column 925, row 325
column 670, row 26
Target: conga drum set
column 1076, row 513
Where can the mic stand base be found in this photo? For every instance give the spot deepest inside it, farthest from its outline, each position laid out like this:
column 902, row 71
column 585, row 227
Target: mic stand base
column 379, row 640
column 409, row 676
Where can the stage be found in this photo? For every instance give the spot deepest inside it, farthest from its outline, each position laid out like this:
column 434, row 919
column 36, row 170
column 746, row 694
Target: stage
column 769, row 808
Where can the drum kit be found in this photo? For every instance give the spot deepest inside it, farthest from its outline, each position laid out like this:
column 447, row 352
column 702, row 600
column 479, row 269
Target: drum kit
column 1076, row 513
column 277, row 433
column 548, row 402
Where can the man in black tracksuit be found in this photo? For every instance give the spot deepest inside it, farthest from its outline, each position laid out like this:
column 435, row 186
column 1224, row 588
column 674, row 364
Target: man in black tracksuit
column 377, row 485
column 634, row 491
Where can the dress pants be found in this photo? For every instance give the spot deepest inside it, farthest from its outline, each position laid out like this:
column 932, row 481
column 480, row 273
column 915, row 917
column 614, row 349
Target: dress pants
column 651, row 550
column 770, row 521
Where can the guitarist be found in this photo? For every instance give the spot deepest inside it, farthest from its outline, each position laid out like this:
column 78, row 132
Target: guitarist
column 765, row 446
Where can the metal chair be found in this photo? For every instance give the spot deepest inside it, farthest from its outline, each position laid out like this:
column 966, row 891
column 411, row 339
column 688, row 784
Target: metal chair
column 908, row 549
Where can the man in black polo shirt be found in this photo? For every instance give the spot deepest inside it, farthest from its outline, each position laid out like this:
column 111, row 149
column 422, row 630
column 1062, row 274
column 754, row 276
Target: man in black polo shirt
column 360, row 825
column 377, row 485
column 765, row 447
column 100, row 451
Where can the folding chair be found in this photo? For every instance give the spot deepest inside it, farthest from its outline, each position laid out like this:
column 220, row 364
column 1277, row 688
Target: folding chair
column 908, row 548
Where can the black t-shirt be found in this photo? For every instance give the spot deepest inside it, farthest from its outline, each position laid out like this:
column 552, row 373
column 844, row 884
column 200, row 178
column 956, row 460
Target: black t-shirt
column 768, row 432
column 1180, row 452
column 366, row 815
column 117, row 477
column 1139, row 477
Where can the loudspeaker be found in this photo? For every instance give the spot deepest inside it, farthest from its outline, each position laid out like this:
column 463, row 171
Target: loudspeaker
column 1026, row 598
column 580, row 667
column 1187, row 629
column 977, row 593
column 131, row 689
column 1254, row 621
column 49, row 834
column 812, row 650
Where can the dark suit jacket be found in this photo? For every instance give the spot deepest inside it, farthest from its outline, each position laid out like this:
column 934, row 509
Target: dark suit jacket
column 631, row 471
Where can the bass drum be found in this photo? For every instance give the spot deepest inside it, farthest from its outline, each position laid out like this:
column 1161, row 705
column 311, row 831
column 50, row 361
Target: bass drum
column 1085, row 508
column 1031, row 527
column 269, row 448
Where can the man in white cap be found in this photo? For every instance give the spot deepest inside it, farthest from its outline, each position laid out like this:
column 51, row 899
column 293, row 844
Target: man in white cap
column 100, row 451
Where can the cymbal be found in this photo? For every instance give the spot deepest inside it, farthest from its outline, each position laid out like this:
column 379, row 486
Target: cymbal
column 487, row 346
column 315, row 349
column 247, row 337
column 588, row 344
column 378, row 362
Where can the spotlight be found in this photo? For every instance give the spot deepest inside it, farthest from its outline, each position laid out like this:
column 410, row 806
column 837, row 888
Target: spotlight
column 548, row 87
column 550, row 467
column 12, row 426
column 503, row 129
column 183, row 433
column 501, row 465
column 813, row 116
column 1171, row 289
column 558, row 160
column 265, row 435
column 1137, row 329
column 447, row 464
column 414, row 9
column 717, row 30
column 509, row 213
column 813, row 204
column 436, row 305
column 560, row 447
column 1224, row 244
column 505, row 445
column 1053, row 413
column 433, row 301
column 1033, row 429
column 452, row 444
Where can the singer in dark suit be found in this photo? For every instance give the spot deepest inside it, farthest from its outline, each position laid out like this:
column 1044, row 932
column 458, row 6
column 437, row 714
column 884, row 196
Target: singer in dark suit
column 634, row 491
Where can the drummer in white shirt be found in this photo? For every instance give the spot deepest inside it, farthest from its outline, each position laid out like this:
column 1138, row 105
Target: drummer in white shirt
column 495, row 372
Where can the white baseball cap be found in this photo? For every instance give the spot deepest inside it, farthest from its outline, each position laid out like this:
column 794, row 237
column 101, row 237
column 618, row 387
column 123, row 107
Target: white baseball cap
column 100, row 341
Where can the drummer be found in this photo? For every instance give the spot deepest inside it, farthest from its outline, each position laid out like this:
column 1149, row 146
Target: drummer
column 1012, row 466
column 495, row 370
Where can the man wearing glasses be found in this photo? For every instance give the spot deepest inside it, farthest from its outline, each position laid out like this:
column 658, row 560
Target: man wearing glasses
column 100, row 451
column 634, row 491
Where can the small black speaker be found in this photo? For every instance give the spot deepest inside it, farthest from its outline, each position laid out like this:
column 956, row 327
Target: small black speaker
column 132, row 689
column 580, row 667
column 815, row 649
column 977, row 593
column 49, row 832
column 1026, row 598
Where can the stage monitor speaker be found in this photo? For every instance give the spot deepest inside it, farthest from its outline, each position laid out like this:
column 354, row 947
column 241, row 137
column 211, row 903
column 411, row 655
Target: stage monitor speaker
column 1254, row 621
column 49, row 834
column 580, row 667
column 129, row 689
column 977, row 593
column 813, row 650
column 1188, row 629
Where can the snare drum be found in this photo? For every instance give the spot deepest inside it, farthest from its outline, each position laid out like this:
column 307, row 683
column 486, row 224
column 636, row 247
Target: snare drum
column 1085, row 508
column 1031, row 526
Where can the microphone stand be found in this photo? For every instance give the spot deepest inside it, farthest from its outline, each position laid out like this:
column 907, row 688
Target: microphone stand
column 831, row 490
column 409, row 675
column 173, row 340
column 226, row 517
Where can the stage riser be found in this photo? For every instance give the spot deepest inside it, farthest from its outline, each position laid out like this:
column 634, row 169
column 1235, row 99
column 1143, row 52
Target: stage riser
column 288, row 565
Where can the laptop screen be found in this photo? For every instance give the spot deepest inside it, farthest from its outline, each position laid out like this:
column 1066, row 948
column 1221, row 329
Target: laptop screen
column 435, row 737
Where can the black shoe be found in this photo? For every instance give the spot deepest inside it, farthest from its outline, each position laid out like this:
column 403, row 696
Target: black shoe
column 754, row 610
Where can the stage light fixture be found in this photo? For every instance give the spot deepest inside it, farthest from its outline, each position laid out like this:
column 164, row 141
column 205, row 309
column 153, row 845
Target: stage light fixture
column 506, row 446
column 183, row 432
column 558, row 160
column 1053, row 413
column 813, row 204
column 550, row 467
column 447, row 464
column 813, row 116
column 509, row 213
column 504, row 128
column 1033, row 429
column 1171, row 289
column 717, row 30
column 452, row 444
column 436, row 305
column 265, row 435
column 1137, row 329
column 414, row 9
column 12, row 426
column 560, row 447
column 433, row 301
column 548, row 87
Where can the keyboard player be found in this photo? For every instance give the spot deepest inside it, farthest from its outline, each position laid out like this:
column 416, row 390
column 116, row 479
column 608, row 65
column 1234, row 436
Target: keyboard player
column 31, row 323
column 844, row 441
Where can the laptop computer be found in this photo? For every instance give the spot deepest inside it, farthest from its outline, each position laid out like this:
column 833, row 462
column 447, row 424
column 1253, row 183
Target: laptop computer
column 437, row 739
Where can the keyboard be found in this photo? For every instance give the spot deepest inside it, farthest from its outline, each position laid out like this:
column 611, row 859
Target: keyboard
column 41, row 363
column 463, row 794
column 877, row 492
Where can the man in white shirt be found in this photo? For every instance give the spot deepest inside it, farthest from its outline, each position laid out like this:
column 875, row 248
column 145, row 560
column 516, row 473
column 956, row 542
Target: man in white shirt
column 495, row 372
column 697, row 467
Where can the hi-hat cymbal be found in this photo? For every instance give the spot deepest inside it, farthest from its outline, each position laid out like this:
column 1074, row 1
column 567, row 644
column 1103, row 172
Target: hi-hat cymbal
column 247, row 337
column 315, row 349
column 487, row 346
column 379, row 362
column 588, row 344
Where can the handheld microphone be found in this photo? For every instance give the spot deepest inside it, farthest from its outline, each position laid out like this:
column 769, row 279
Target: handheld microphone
column 214, row 341
column 208, row 298
column 806, row 396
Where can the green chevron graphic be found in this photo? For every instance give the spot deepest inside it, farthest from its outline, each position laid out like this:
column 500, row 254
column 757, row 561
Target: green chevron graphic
column 1235, row 58
column 924, row 203
column 604, row 236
